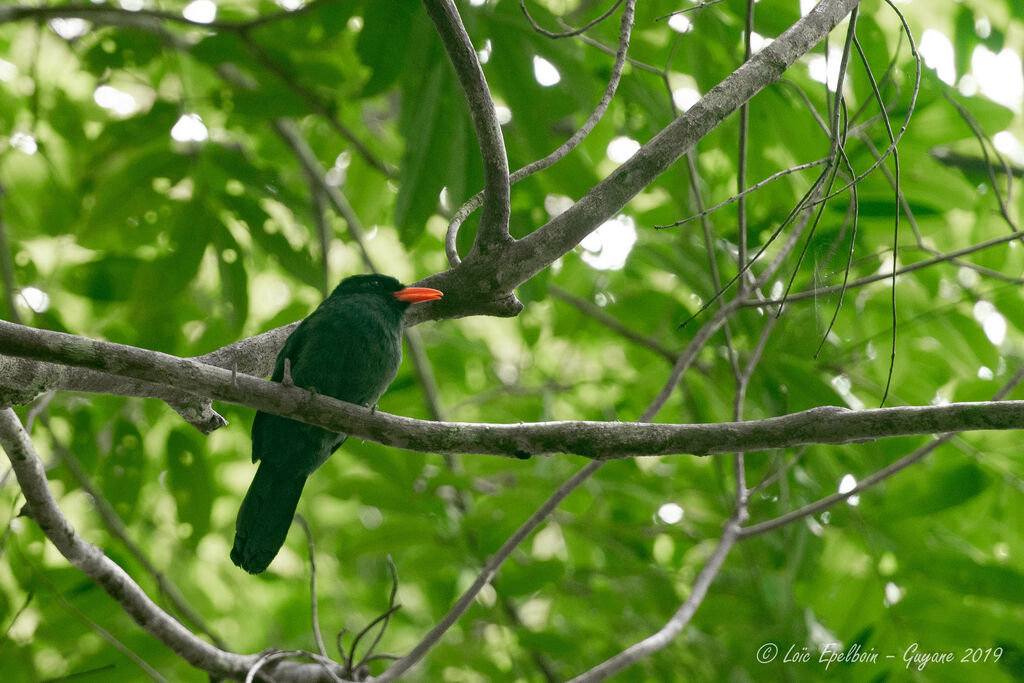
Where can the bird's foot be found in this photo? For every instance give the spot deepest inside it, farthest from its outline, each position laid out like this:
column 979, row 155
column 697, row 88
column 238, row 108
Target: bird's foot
column 286, row 378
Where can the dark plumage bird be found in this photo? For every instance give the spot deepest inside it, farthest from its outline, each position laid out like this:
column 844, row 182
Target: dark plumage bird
column 350, row 348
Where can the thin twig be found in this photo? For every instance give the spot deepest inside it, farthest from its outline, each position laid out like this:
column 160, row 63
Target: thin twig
column 869, row 481
column 567, row 34
column 314, row 611
column 736, row 197
column 113, row 523
column 597, row 313
column 474, row 202
column 695, row 8
column 103, row 633
column 7, row 264
column 384, row 618
column 679, row 620
column 90, row 560
column 942, row 258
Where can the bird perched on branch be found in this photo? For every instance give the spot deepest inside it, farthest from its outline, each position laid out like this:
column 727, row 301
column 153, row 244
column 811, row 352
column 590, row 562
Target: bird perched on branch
column 350, row 348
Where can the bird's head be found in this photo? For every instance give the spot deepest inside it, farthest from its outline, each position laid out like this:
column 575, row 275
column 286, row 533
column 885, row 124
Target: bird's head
column 385, row 286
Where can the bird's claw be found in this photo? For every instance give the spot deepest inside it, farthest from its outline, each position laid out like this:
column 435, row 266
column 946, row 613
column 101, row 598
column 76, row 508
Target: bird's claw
column 286, row 377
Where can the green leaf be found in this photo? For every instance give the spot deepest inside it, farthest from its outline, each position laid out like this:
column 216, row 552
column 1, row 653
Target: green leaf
column 107, row 279
column 233, row 278
column 189, row 481
column 268, row 103
column 936, row 491
column 221, row 48
column 124, row 469
column 384, row 42
column 124, row 49
column 519, row 578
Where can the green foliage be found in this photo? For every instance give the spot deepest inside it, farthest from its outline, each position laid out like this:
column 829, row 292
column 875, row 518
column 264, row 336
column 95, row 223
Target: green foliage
column 185, row 247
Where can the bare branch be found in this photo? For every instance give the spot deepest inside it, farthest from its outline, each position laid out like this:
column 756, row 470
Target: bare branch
column 474, row 202
column 493, row 231
column 116, row 527
column 109, row 576
column 533, row 253
column 679, row 620
column 601, row 316
column 595, row 440
column 485, row 576
column 566, row 34
column 869, row 481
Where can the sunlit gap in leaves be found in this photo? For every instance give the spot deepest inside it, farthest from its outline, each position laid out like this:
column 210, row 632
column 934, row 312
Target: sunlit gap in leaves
column 200, row 11
column 484, row 53
column 893, row 594
column 844, row 387
column 36, row 299
column 759, row 42
column 997, row 76
column 826, row 70
column 69, row 28
column 290, row 5
column 685, row 97
column 847, row 484
column 607, row 247
column 993, row 323
column 680, row 23
column 670, row 513
column 937, row 52
column 190, row 128
column 620, row 149
column 8, row 72
column 23, row 142
column 116, row 101
column 545, row 72
column 1007, row 143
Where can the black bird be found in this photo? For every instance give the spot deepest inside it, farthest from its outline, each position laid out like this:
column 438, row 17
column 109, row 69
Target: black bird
column 350, row 348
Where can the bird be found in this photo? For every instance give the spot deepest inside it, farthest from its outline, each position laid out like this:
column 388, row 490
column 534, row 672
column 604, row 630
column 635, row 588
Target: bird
column 350, row 348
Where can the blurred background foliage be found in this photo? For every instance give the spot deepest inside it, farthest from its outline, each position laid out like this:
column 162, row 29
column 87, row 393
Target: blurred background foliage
column 147, row 200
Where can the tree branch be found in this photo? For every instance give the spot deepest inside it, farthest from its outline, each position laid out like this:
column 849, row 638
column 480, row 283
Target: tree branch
column 493, row 231
column 109, row 576
column 595, row 440
column 474, row 202
column 528, row 256
column 679, row 620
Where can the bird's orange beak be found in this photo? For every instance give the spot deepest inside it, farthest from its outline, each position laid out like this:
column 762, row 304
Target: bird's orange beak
column 417, row 294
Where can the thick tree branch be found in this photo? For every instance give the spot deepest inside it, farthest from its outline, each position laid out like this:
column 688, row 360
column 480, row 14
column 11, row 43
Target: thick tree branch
column 22, row 380
column 536, row 251
column 145, row 18
column 493, row 232
column 91, row 561
column 595, row 440
column 483, row 286
column 117, row 528
column 474, row 202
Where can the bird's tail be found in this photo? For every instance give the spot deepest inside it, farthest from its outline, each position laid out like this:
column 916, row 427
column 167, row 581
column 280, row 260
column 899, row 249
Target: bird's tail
column 265, row 516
